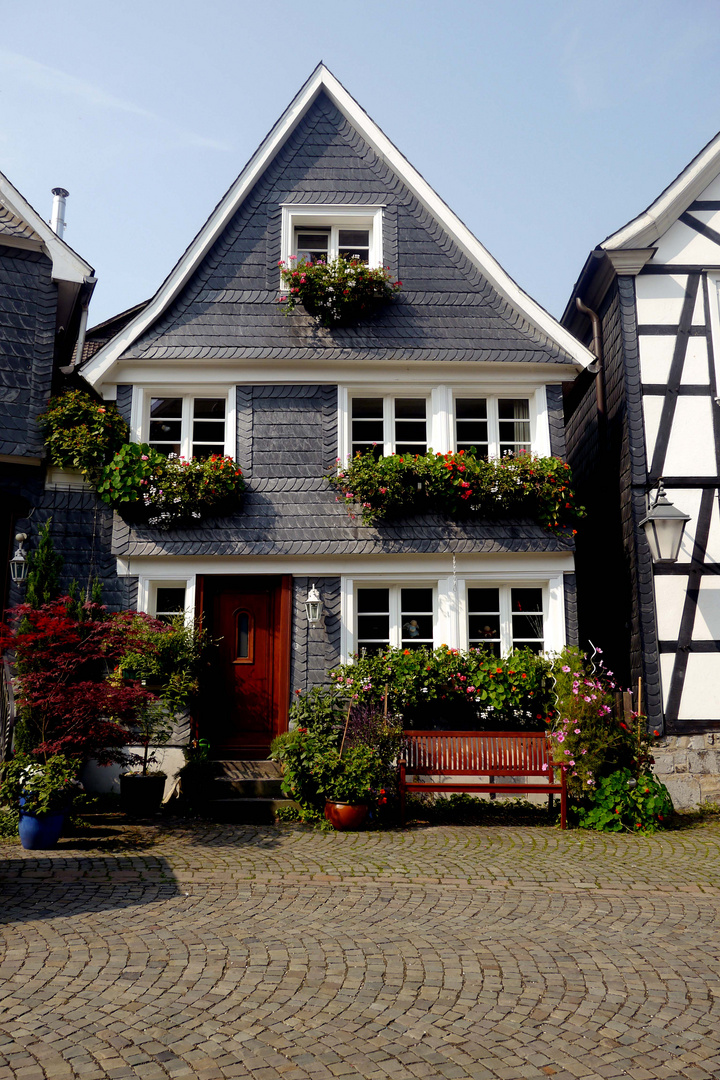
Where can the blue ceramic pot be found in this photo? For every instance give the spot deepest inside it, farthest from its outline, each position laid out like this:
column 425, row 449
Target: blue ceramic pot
column 39, row 833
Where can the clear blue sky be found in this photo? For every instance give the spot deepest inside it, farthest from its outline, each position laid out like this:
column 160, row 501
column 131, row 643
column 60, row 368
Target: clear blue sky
column 545, row 124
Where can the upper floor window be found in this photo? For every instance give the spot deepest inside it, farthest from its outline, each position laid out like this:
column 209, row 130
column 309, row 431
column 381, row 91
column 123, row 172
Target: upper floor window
column 503, row 618
column 323, row 232
column 394, row 616
column 494, row 426
column 187, row 426
column 389, row 425
column 325, row 244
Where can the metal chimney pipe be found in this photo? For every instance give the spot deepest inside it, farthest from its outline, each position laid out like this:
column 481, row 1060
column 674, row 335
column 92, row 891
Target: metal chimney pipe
column 57, row 221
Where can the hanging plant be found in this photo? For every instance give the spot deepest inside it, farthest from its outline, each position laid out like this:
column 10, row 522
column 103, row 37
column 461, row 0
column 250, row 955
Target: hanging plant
column 336, row 293
column 458, row 485
column 141, row 483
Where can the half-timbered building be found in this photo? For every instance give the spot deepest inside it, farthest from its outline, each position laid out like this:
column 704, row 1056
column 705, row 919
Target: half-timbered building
column 649, row 409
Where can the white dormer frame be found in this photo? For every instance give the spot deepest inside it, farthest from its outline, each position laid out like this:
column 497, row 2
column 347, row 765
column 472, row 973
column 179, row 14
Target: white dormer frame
column 97, row 369
column 324, row 215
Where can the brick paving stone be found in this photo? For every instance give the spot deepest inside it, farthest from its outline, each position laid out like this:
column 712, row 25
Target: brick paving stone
column 189, row 949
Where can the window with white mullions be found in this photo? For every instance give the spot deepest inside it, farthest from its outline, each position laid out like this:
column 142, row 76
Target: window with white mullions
column 493, row 426
column 188, row 426
column 388, row 425
column 528, row 619
column 319, row 244
column 394, row 616
column 169, row 602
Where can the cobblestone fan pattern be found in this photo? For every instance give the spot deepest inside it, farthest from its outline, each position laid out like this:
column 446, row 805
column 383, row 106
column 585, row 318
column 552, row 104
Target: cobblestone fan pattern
column 508, row 953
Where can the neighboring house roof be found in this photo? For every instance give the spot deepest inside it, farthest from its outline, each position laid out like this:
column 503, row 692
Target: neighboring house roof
column 220, row 300
column 99, row 335
column 21, row 224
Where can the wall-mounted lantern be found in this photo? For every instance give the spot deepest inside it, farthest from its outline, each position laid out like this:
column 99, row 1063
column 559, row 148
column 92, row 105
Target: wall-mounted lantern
column 18, row 563
column 313, row 607
column 664, row 527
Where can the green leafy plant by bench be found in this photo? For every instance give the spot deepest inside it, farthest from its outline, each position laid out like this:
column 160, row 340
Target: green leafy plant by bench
column 458, row 485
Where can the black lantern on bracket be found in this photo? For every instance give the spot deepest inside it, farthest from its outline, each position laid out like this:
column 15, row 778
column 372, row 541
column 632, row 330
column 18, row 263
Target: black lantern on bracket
column 313, row 607
column 664, row 527
column 18, row 563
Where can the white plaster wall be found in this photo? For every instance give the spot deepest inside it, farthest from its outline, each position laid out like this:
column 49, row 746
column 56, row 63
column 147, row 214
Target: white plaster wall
column 700, row 697
column 669, row 602
column 656, row 355
column 691, row 449
column 104, row 779
column 660, row 298
column 682, row 244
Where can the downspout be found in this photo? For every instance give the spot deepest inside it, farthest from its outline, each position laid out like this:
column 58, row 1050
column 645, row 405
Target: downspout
column 597, row 368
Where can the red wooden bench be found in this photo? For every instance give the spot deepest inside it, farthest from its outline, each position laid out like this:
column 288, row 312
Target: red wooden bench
column 481, row 753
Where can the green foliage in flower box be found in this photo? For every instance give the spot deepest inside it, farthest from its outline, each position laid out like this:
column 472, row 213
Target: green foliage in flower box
column 339, row 292
column 458, row 485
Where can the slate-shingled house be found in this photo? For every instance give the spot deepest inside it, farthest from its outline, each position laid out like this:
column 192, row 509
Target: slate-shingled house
column 44, row 288
column 655, row 285
column 212, row 357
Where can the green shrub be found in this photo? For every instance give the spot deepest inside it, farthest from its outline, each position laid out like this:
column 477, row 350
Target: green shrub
column 82, row 433
column 623, row 803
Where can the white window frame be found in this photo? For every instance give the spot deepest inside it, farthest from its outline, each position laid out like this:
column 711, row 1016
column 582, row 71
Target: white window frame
column 389, row 415
column 441, row 412
column 493, row 417
column 394, row 600
column 147, row 593
column 334, row 217
column 140, row 419
column 450, row 605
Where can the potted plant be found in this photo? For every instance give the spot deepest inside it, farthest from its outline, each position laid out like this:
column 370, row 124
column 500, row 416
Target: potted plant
column 141, row 791
column 43, row 792
column 339, row 292
column 347, row 781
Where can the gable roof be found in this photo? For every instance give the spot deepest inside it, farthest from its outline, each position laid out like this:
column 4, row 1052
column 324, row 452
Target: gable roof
column 650, row 225
column 21, row 225
column 519, row 328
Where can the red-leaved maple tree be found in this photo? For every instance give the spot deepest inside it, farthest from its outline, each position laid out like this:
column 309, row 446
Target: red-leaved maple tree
column 68, row 705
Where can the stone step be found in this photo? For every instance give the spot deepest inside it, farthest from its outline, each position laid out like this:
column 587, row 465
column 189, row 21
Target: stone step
column 256, row 811
column 266, row 787
column 249, row 770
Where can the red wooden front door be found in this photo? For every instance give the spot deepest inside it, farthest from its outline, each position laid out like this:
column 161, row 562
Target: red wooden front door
column 247, row 694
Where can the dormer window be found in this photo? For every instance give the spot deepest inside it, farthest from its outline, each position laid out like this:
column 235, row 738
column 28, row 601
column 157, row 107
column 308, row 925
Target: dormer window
column 323, row 245
column 321, row 233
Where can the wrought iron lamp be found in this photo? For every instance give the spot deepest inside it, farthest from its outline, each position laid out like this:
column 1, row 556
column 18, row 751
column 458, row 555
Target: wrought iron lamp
column 664, row 527
column 313, row 607
column 18, row 563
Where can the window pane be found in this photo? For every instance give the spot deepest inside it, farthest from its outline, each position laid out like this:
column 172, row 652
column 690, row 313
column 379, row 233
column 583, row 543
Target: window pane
column 166, row 407
column 165, row 430
column 367, row 425
column 373, row 621
column 169, row 602
column 416, row 615
column 410, row 408
column 527, row 618
column 373, row 600
column 312, row 246
column 484, row 619
column 206, row 450
column 410, row 426
column 471, row 425
column 356, row 237
column 514, row 423
column 363, row 408
column 208, row 430
column 243, row 636
column 209, row 408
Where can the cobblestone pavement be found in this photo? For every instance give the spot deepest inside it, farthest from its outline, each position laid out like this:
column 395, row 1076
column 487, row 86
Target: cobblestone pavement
column 190, row 950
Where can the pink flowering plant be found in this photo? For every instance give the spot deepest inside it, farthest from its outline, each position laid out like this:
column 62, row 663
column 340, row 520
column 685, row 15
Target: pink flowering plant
column 458, row 485
column 338, row 292
column 607, row 758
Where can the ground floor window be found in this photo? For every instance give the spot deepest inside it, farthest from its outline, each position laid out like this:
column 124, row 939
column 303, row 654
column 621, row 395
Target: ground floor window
column 460, row 612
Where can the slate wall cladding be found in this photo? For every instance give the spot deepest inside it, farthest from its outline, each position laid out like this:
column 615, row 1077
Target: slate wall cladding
column 446, row 309
column 124, row 402
column 315, row 649
column 81, row 531
column 572, row 634
column 28, row 300
column 556, row 420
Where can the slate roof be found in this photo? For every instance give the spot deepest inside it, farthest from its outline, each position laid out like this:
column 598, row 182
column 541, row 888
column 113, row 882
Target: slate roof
column 447, row 309
column 12, row 225
column 299, row 516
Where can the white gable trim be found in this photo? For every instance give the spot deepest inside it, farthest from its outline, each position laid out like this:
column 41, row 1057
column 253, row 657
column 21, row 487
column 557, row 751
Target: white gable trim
column 649, row 226
column 67, row 265
column 322, row 79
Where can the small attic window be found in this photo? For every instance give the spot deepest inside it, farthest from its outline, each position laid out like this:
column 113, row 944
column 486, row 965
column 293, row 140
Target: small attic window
column 323, row 232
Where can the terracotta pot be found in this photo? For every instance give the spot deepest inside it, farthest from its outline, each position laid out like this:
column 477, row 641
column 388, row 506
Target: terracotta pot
column 343, row 815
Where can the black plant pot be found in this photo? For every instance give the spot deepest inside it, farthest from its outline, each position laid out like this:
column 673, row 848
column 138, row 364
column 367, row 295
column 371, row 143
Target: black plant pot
column 141, row 796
